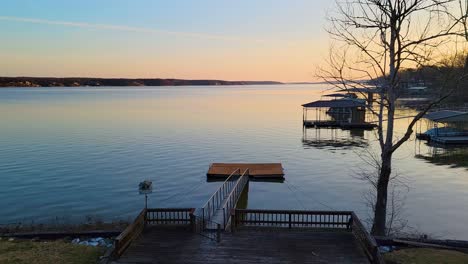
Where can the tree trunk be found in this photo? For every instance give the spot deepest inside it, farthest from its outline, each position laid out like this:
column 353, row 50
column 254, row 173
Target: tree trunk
column 380, row 212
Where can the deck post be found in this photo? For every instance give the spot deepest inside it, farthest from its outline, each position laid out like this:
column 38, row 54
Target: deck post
column 289, row 220
column 192, row 222
column 218, row 233
column 233, row 220
column 350, row 223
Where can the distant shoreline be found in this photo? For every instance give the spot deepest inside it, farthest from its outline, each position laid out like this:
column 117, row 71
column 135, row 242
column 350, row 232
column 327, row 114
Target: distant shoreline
column 96, row 82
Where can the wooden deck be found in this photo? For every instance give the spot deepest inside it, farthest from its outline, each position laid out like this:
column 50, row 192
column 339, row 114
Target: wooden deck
column 189, row 235
column 256, row 170
column 177, row 245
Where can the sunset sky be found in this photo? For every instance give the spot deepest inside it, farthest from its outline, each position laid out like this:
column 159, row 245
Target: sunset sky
column 204, row 39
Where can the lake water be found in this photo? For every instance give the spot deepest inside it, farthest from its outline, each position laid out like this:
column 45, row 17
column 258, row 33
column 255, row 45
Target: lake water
column 77, row 152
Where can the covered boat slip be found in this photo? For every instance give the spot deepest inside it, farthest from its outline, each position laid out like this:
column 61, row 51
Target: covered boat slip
column 446, row 127
column 255, row 170
column 342, row 113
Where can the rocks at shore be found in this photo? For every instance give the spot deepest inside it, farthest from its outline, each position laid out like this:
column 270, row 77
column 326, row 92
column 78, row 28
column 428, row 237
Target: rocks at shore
column 76, row 82
column 94, row 242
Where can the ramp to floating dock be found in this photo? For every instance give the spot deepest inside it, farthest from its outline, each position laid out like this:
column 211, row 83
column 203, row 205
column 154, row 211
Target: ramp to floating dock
column 256, row 170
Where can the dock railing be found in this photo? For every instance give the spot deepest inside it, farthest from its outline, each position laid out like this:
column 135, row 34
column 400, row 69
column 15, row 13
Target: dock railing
column 168, row 216
column 216, row 200
column 288, row 219
column 158, row 216
column 291, row 218
column 367, row 241
column 123, row 241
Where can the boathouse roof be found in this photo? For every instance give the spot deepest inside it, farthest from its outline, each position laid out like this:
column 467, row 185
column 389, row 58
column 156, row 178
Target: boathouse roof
column 447, row 116
column 342, row 103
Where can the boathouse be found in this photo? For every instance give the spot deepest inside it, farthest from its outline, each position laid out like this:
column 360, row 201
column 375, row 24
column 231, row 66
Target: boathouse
column 446, row 127
column 344, row 113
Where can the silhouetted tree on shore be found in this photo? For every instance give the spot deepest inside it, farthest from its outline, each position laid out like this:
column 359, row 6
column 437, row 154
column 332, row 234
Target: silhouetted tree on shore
column 375, row 41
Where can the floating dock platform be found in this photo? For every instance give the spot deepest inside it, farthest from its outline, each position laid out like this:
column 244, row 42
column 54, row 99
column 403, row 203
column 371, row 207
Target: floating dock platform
column 256, row 170
column 335, row 124
column 461, row 140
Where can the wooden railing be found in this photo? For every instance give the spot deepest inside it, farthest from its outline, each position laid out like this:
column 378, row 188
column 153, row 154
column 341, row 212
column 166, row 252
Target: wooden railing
column 169, row 216
column 216, row 200
column 130, row 233
column 345, row 220
column 292, row 218
column 367, row 241
column 159, row 216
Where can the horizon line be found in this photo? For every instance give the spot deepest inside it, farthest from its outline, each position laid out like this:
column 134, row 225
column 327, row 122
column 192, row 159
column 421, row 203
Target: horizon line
column 162, row 78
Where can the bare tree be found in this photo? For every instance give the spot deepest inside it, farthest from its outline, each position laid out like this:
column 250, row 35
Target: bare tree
column 396, row 222
column 375, row 40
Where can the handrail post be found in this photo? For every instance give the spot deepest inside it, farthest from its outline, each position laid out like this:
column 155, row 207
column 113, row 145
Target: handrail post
column 203, row 217
column 193, row 220
column 289, row 220
column 233, row 220
column 224, row 217
column 349, row 226
column 218, row 233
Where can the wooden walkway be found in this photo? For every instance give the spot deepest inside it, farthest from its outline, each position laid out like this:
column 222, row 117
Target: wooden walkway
column 178, row 245
column 218, row 208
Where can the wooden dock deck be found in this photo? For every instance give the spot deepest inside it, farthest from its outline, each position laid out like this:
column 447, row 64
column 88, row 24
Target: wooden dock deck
column 173, row 235
column 177, row 245
column 219, row 232
column 256, row 170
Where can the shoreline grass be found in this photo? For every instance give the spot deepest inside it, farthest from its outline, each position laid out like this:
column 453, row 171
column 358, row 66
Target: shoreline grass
column 57, row 252
column 425, row 255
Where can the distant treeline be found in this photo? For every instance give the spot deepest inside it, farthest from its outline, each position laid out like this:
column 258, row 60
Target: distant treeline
column 449, row 76
column 75, row 82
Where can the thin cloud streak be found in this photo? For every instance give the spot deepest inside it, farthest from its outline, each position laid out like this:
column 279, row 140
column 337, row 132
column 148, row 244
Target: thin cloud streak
column 126, row 28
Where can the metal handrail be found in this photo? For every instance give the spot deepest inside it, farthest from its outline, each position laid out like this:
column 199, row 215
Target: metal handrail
column 227, row 179
column 237, row 191
column 199, row 227
column 215, row 200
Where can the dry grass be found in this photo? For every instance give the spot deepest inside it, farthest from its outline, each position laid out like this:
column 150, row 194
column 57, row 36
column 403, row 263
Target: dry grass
column 426, row 256
column 56, row 252
column 64, row 225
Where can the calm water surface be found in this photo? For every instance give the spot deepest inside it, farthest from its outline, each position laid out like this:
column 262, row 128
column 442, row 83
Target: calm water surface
column 77, row 152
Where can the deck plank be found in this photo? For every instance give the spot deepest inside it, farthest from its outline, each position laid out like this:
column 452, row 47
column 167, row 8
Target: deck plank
column 173, row 245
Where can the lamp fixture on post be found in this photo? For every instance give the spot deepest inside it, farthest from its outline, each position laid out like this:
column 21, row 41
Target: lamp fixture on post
column 146, row 187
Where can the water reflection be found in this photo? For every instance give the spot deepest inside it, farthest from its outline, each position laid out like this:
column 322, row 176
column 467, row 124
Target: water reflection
column 455, row 157
column 332, row 138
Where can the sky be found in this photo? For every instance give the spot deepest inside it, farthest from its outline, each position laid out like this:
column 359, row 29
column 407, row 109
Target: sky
column 280, row 40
